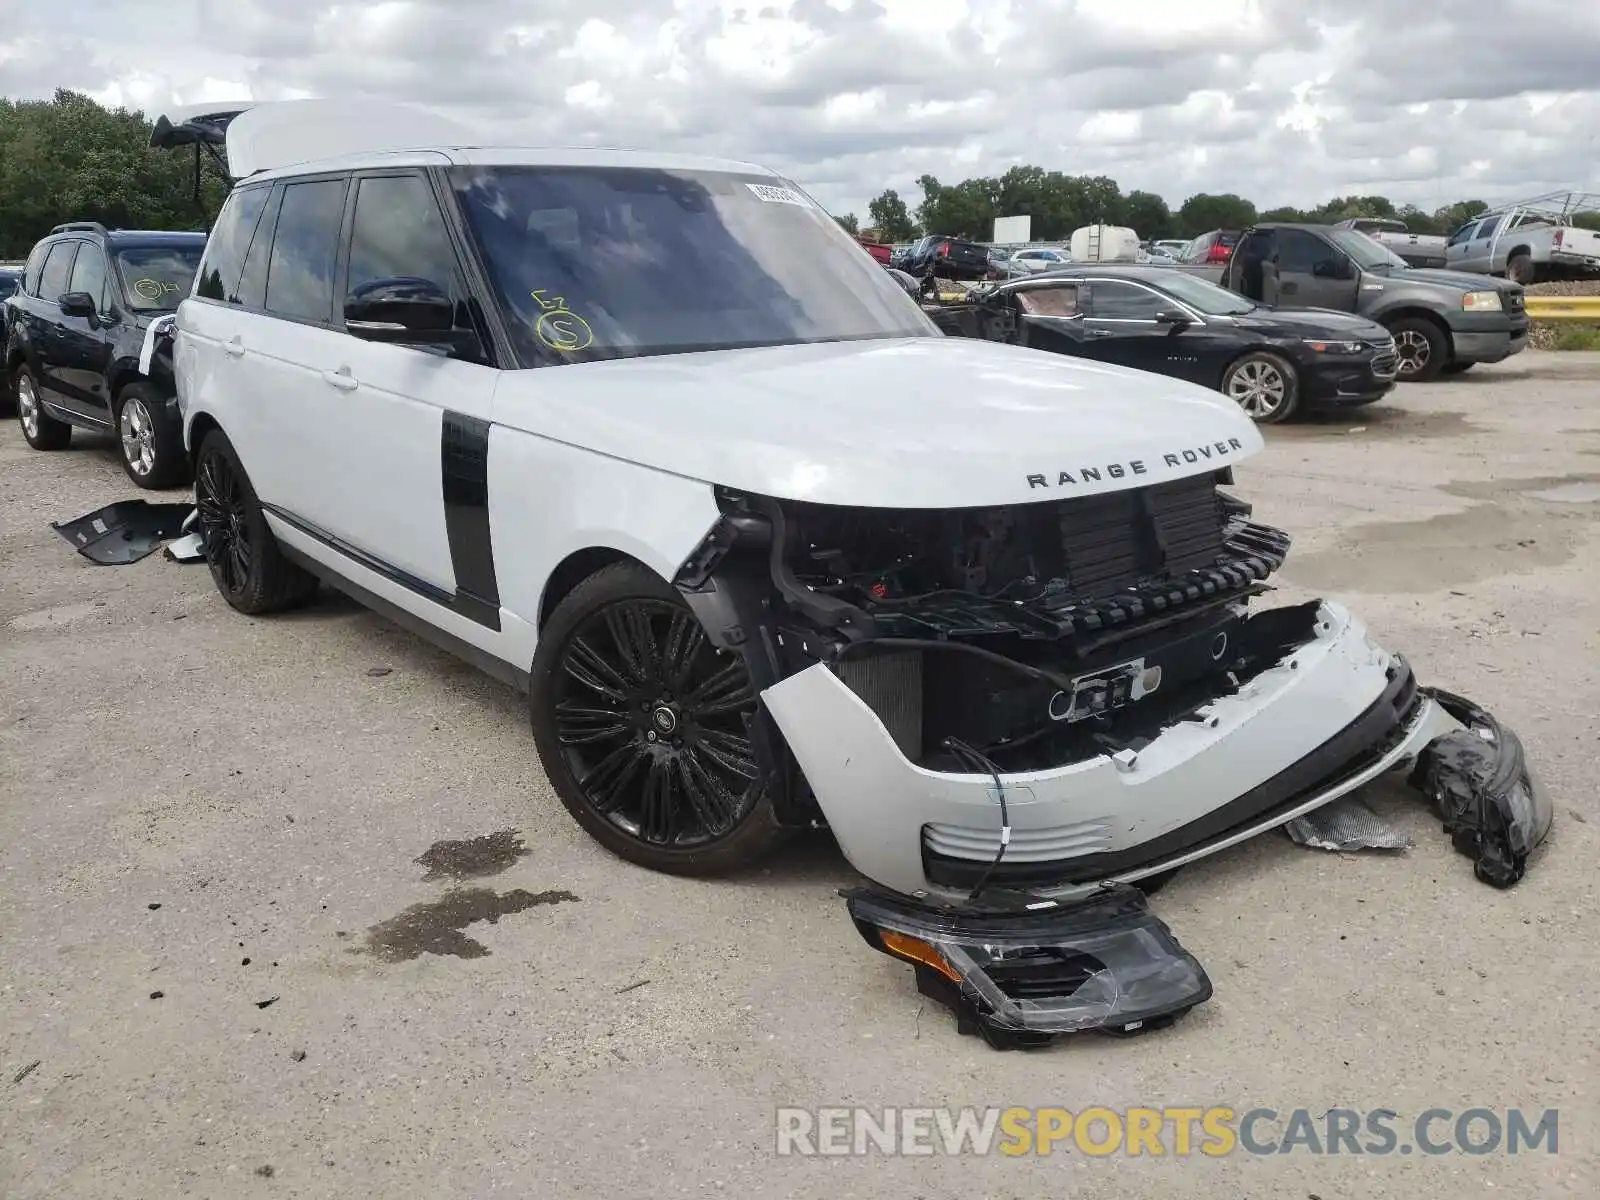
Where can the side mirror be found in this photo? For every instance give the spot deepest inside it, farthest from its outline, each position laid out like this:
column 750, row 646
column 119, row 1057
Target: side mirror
column 404, row 311
column 1173, row 317
column 78, row 304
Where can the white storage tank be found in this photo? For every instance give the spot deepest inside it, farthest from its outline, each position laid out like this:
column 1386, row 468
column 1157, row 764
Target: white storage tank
column 1105, row 243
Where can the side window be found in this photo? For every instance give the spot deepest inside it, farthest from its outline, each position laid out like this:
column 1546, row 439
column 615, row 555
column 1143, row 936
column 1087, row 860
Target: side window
column 1486, row 230
column 30, row 273
column 1299, row 252
column 1111, row 300
column 252, row 289
column 225, row 248
column 1049, row 302
column 1462, row 234
column 57, row 270
column 89, row 275
column 304, row 246
column 398, row 231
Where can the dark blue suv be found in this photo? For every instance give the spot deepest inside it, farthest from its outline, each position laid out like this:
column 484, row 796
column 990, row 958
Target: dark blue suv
column 74, row 333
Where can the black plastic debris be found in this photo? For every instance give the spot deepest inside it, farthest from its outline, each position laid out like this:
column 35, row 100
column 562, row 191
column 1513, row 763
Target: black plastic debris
column 1344, row 825
column 124, row 532
column 1494, row 809
column 1022, row 973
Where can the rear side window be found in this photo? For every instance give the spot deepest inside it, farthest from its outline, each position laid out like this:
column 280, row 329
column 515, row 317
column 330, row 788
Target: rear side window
column 30, row 273
column 252, row 292
column 304, row 247
column 57, row 270
column 398, row 231
column 1487, row 228
column 225, row 248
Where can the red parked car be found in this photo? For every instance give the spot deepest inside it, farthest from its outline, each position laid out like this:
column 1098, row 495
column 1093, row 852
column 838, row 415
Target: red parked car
column 880, row 251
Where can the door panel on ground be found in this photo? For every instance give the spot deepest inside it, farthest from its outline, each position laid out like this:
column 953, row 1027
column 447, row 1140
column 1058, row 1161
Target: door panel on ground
column 86, row 341
column 1311, row 273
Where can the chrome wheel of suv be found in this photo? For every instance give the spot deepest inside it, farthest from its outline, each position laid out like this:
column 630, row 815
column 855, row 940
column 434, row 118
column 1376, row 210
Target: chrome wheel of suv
column 42, row 431
column 28, row 407
column 138, row 437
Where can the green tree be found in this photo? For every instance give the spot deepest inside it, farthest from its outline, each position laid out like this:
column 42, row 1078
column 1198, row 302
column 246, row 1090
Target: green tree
column 71, row 159
column 1148, row 214
column 889, row 216
column 849, row 222
column 1452, row 216
column 1204, row 212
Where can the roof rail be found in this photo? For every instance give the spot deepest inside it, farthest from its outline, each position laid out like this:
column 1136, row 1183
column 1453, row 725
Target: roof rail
column 80, row 227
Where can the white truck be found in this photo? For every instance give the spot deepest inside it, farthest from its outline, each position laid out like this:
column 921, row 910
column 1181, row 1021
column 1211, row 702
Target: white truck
column 1418, row 249
column 1530, row 242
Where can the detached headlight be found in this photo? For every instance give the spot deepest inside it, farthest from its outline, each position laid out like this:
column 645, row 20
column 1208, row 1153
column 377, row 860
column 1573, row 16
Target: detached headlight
column 1105, row 962
column 1322, row 346
column 1481, row 302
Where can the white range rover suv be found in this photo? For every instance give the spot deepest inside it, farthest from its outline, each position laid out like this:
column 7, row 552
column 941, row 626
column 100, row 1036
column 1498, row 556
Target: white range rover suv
column 653, row 439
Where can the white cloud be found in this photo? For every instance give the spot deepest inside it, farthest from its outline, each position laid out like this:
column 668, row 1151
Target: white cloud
column 1283, row 101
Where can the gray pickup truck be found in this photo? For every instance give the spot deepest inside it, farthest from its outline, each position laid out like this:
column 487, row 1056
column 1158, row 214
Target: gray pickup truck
column 1443, row 321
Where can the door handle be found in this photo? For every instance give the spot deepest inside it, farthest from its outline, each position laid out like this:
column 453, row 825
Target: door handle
column 234, row 347
column 341, row 379
column 1100, row 333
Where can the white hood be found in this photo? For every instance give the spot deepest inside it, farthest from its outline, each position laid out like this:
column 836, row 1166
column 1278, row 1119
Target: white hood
column 915, row 423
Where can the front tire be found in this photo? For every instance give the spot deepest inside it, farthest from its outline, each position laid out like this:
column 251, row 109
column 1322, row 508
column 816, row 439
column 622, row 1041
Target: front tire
column 1266, row 386
column 150, row 438
column 1422, row 347
column 645, row 728
column 39, row 428
column 246, row 564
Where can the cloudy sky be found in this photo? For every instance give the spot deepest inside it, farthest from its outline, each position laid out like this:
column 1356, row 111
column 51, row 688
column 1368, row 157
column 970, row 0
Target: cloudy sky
column 1283, row 101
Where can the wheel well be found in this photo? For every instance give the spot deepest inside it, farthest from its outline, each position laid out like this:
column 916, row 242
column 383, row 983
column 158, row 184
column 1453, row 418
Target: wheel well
column 14, row 360
column 1432, row 318
column 573, row 570
column 203, row 424
column 1243, row 354
column 1510, row 254
column 119, row 381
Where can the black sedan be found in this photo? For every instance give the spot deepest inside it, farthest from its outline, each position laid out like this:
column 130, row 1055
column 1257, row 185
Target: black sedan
column 1275, row 362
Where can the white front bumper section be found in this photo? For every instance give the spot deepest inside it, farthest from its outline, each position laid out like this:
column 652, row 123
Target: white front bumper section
column 881, row 806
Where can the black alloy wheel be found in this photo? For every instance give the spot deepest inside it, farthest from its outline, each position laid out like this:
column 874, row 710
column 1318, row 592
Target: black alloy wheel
column 645, row 727
column 243, row 556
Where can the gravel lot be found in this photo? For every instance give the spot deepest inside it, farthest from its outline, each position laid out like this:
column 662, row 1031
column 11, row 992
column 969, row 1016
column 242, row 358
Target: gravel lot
column 229, row 811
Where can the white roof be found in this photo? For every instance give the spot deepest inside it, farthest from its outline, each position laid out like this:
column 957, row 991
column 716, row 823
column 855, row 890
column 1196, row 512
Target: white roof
column 298, row 136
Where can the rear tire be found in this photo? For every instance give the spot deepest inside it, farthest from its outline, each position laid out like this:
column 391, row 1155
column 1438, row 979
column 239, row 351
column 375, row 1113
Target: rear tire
column 644, row 728
column 246, row 565
column 39, row 428
column 1266, row 386
column 1423, row 349
column 1520, row 269
column 150, row 438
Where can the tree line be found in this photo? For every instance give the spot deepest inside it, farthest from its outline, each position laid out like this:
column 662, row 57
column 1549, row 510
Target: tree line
column 1060, row 203
column 70, row 158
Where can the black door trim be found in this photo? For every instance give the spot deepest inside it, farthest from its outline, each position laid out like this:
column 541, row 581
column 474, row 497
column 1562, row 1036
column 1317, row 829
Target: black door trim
column 464, row 468
column 472, row 607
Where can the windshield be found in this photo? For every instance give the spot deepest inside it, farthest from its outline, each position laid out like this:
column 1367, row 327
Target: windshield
column 1206, row 297
column 596, row 263
column 1366, row 252
column 157, row 278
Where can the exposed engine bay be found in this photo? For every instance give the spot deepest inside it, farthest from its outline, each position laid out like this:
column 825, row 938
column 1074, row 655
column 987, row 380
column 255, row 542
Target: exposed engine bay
column 1035, row 634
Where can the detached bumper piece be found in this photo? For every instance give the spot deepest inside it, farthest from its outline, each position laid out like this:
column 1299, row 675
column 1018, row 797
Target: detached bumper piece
column 124, row 532
column 1493, row 807
column 1020, row 976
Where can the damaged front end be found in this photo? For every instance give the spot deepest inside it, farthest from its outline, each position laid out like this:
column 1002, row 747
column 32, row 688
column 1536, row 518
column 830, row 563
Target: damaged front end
column 1020, row 707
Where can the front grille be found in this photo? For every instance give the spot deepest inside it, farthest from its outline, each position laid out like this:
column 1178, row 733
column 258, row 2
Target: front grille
column 1515, row 301
column 1112, row 541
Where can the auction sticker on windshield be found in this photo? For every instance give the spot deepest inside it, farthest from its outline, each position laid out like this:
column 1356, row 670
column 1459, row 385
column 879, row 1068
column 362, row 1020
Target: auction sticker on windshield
column 774, row 194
